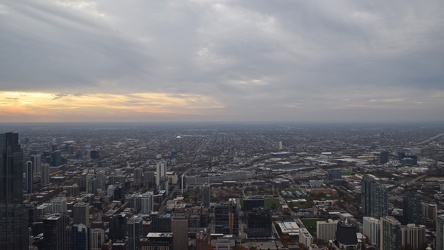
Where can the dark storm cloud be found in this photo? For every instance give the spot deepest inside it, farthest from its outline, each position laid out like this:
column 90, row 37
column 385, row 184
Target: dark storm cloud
column 260, row 59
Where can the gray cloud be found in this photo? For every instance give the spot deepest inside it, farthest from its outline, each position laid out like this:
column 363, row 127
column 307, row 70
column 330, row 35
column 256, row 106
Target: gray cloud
column 286, row 60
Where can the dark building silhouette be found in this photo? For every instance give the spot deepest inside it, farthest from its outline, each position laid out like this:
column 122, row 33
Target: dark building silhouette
column 259, row 223
column 57, row 158
column 253, row 202
column 334, row 174
column 80, row 237
column 117, row 227
column 29, row 175
column 134, row 228
column 56, row 233
column 95, row 154
column 161, row 223
column 14, row 216
column 373, row 197
column 412, row 209
column 346, row 235
column 384, row 157
column 206, row 194
column 226, row 219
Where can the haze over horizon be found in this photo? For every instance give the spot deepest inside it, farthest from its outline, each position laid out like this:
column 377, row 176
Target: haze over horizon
column 231, row 61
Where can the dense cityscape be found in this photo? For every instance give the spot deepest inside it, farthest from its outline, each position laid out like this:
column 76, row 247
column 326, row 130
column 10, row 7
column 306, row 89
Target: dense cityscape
column 221, row 186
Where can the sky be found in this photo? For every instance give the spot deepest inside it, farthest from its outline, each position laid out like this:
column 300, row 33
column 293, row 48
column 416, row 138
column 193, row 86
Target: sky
column 230, row 61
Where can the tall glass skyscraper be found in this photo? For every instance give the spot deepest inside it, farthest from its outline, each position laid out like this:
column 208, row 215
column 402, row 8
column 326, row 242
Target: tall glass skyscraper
column 13, row 214
column 373, row 197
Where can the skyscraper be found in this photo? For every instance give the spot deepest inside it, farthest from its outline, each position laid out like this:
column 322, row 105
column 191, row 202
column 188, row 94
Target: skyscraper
column 36, row 163
column 134, row 228
column 440, row 232
column 373, row 197
column 44, row 174
column 56, row 232
column 29, row 175
column 14, row 217
column 160, row 172
column 390, row 233
column 206, row 193
column 80, row 237
column 179, row 228
column 412, row 208
column 81, row 213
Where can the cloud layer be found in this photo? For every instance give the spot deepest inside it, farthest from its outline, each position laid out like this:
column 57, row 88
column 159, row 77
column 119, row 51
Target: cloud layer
column 249, row 60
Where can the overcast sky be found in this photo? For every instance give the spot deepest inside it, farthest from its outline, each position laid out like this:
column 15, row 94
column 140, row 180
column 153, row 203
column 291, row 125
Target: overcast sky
column 303, row 61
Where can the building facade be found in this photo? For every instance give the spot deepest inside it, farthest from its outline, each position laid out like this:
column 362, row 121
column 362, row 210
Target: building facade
column 14, row 217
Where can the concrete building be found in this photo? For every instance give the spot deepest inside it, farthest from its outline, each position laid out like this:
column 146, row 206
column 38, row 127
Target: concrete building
column 326, row 230
column 439, row 232
column 58, row 205
column 305, row 237
column 413, row 236
column 97, row 238
column 390, row 233
column 371, row 229
column 80, row 213
column 179, row 228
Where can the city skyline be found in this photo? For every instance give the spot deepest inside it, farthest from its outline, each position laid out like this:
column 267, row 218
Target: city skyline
column 253, row 61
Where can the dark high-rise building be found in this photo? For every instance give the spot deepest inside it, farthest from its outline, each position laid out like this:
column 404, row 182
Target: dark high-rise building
column 253, row 202
column 412, row 209
column 334, row 174
column 346, row 235
column 226, row 219
column 259, row 223
column 161, row 223
column 373, row 197
column 29, row 175
column 13, row 214
column 56, row 233
column 206, row 194
column 44, row 174
column 95, row 154
column 56, row 158
column 80, row 237
column 384, row 157
column 134, row 228
column 117, row 227
column 179, row 228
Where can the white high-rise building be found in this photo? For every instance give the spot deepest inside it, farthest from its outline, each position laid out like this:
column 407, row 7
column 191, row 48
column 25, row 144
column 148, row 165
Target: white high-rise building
column 326, row 230
column 147, row 202
column 371, row 229
column 305, row 237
